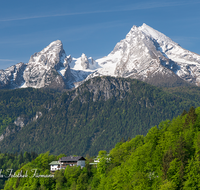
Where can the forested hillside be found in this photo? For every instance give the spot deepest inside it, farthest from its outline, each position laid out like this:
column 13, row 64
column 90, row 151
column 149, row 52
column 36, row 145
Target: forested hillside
column 166, row 158
column 97, row 115
column 22, row 102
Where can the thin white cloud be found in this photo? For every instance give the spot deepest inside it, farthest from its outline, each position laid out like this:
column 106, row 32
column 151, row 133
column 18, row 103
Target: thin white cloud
column 157, row 4
column 6, row 60
column 132, row 7
column 69, row 34
column 5, row 63
column 46, row 16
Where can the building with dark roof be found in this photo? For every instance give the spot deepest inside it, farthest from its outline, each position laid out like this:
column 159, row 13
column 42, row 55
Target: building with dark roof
column 63, row 162
column 72, row 161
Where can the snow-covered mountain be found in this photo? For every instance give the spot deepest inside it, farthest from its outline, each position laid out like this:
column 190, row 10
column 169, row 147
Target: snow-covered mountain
column 12, row 77
column 51, row 67
column 149, row 55
column 144, row 54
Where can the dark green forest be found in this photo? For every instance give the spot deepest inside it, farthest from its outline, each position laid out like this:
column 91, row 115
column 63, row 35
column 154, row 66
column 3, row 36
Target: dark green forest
column 22, row 102
column 167, row 158
column 83, row 121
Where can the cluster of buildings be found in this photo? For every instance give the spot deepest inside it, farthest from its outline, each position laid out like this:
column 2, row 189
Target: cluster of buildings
column 63, row 162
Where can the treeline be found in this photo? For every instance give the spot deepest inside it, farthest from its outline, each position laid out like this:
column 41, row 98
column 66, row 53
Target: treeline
column 13, row 161
column 166, row 158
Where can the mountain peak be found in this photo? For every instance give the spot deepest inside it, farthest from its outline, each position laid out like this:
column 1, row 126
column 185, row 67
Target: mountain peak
column 55, row 46
column 84, row 56
column 42, row 66
column 144, row 24
column 149, row 55
column 50, row 56
column 154, row 34
column 84, row 62
column 56, row 42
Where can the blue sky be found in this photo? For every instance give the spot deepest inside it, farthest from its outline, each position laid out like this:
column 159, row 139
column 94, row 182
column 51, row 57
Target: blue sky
column 89, row 26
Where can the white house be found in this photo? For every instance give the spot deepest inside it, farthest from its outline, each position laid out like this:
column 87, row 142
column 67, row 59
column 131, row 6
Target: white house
column 55, row 165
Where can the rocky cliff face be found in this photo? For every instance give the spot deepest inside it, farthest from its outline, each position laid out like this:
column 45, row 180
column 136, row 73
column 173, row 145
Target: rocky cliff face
column 41, row 70
column 47, row 68
column 103, row 88
column 12, row 76
column 149, row 55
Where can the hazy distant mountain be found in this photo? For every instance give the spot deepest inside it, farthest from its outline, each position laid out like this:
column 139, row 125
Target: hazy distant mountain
column 144, row 54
